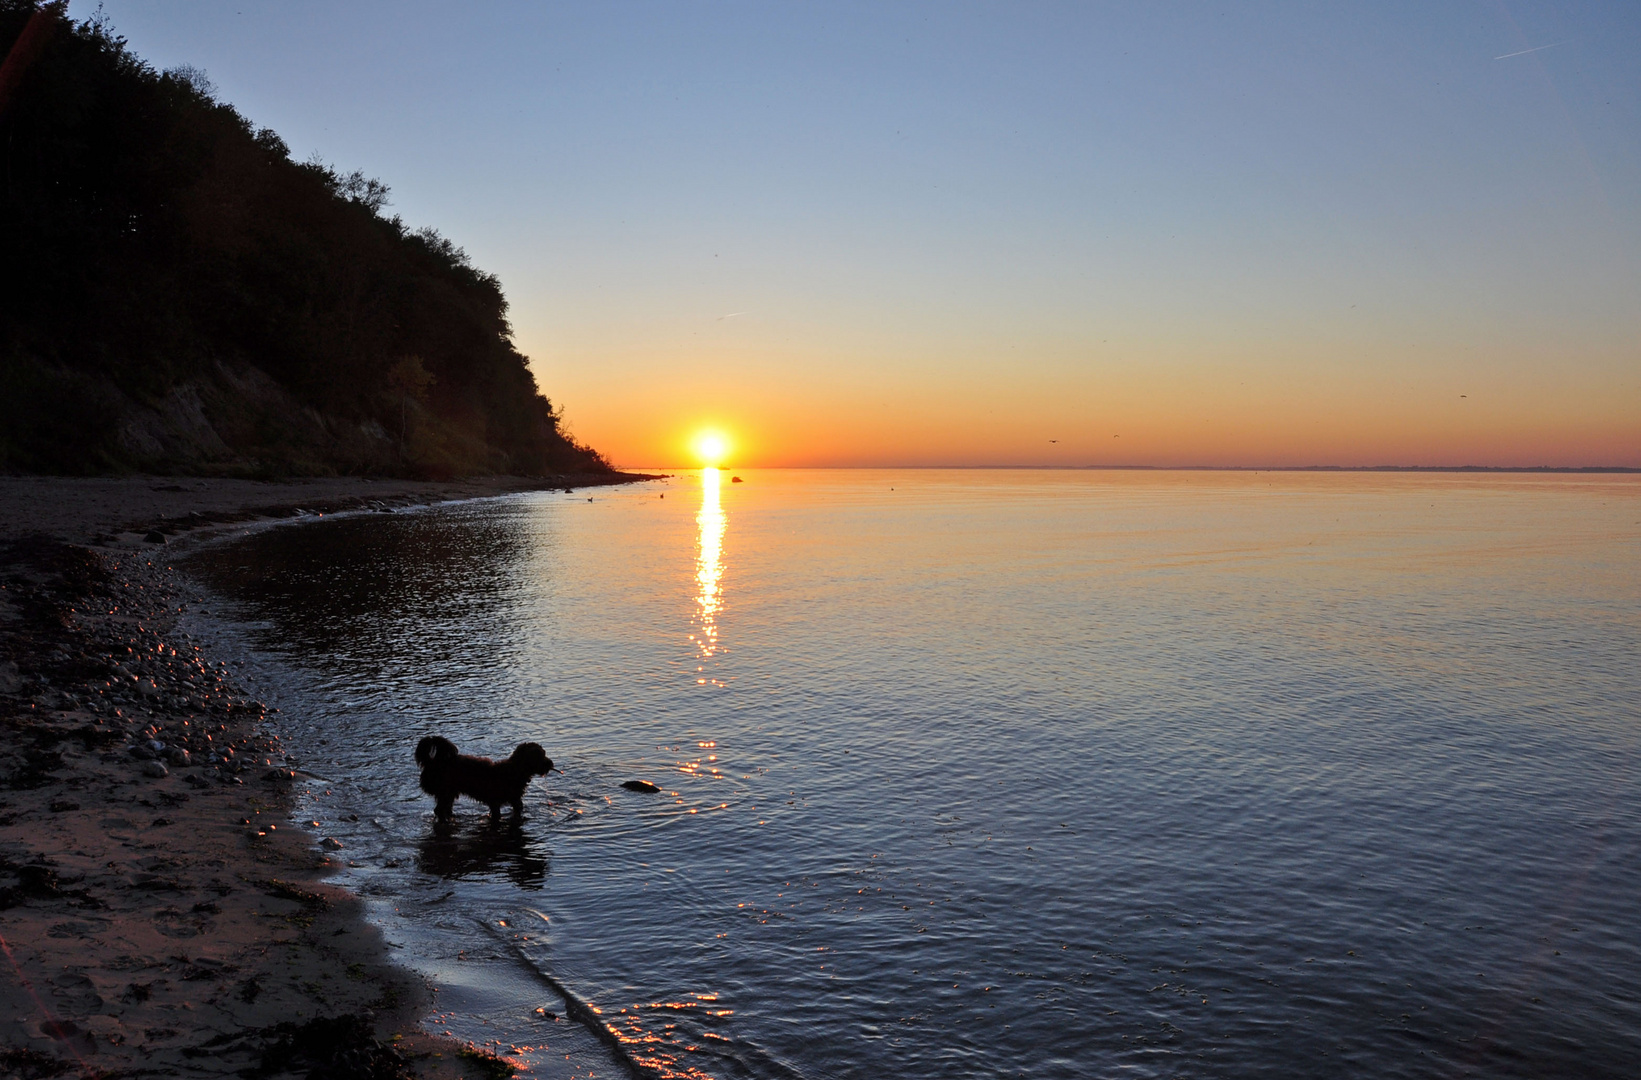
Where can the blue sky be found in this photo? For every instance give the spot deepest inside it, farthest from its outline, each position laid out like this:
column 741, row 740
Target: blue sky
column 926, row 233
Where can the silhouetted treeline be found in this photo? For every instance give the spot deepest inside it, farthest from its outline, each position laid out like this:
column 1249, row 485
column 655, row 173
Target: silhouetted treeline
column 178, row 293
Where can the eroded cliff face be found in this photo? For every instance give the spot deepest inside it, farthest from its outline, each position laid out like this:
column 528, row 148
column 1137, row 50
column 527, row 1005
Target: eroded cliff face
column 238, row 421
column 235, row 420
column 243, row 422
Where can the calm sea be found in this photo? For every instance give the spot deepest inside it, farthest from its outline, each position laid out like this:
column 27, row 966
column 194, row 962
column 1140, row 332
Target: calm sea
column 995, row 773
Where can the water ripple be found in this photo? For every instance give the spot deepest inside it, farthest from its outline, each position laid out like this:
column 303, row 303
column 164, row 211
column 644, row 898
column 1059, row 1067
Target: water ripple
column 1002, row 774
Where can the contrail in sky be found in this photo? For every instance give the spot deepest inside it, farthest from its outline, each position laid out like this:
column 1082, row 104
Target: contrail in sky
column 1524, row 52
column 731, row 315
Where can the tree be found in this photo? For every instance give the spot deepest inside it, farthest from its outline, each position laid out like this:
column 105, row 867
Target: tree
column 408, row 379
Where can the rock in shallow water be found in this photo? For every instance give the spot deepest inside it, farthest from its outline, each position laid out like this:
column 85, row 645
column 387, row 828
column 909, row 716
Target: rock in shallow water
column 641, row 785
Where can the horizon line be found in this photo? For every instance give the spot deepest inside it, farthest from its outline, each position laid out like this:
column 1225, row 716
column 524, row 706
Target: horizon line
column 1571, row 469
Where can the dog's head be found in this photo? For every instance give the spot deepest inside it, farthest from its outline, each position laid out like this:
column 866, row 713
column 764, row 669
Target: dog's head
column 434, row 750
column 533, row 759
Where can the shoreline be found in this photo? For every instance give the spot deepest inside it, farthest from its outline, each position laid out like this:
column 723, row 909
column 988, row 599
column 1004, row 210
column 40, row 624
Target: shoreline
column 121, row 511
column 160, row 912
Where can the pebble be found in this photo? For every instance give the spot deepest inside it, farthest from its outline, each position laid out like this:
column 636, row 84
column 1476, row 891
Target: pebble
column 156, row 769
column 330, row 843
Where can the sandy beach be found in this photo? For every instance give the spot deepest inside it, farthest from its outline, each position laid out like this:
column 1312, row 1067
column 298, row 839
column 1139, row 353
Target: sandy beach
column 161, row 914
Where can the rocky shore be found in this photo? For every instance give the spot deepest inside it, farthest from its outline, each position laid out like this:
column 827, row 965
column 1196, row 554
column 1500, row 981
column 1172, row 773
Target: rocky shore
column 160, row 913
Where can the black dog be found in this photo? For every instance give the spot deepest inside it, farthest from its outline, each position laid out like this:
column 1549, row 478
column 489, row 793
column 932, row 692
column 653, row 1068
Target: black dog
column 447, row 773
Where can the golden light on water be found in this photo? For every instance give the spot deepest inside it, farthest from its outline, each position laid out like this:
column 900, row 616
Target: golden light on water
column 709, row 565
column 711, row 447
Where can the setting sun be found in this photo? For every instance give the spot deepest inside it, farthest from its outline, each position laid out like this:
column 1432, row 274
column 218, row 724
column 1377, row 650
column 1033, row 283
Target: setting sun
column 710, row 447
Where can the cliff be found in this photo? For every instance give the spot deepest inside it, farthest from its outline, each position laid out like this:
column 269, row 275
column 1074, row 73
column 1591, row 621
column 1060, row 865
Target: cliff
column 177, row 294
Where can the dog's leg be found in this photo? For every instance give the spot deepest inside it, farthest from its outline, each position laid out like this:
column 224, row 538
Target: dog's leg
column 445, row 804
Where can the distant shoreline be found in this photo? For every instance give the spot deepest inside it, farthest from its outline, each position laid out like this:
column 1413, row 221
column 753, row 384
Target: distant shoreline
column 120, row 511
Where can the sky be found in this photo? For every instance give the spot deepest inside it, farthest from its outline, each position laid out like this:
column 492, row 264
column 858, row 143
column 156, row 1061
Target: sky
column 1254, row 234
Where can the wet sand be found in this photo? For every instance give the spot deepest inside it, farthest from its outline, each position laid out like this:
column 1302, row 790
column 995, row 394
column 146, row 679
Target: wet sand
column 160, row 913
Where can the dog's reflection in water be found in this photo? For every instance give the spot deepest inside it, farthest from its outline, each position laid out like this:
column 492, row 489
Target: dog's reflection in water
column 483, row 849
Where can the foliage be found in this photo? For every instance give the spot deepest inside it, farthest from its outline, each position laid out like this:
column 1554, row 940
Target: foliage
column 153, row 241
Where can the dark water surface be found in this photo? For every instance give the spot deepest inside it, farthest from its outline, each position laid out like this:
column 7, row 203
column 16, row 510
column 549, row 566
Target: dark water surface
column 975, row 774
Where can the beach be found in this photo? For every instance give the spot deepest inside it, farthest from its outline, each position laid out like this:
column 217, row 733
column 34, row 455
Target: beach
column 161, row 914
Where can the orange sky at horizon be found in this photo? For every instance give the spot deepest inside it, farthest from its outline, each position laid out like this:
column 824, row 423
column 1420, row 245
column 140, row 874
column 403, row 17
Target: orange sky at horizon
column 772, row 435
column 801, row 412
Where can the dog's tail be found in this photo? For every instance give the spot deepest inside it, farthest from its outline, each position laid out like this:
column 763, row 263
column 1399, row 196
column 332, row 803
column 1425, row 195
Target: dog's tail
column 433, row 749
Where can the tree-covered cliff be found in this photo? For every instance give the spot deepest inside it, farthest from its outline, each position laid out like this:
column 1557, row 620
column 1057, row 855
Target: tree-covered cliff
column 177, row 293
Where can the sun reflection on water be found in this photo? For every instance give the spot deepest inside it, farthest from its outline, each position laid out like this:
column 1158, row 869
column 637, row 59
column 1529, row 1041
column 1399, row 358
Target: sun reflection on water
column 709, row 566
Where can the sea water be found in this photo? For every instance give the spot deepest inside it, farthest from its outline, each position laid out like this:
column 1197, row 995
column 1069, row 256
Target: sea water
column 994, row 773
